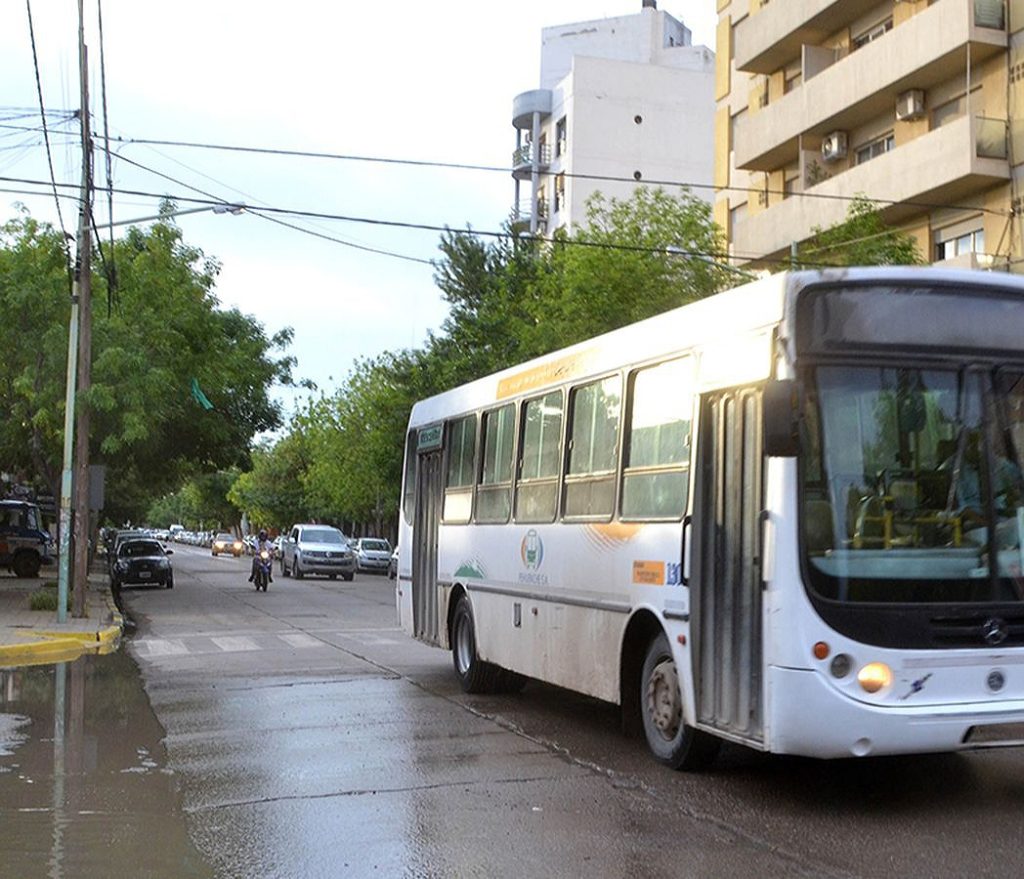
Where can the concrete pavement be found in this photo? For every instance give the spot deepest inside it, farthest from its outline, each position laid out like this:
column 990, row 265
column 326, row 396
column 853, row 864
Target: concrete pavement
column 33, row 637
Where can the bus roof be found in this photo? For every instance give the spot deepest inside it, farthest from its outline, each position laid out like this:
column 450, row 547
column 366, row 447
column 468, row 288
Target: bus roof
column 719, row 321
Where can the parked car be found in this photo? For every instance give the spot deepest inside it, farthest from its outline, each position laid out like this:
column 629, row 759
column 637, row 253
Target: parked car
column 226, row 543
column 142, row 560
column 393, row 564
column 372, row 554
column 24, row 545
column 317, row 549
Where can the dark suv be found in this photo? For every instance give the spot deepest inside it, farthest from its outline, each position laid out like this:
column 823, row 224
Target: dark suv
column 24, row 545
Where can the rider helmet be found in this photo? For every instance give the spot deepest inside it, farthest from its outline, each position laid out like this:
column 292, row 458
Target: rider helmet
column 262, row 534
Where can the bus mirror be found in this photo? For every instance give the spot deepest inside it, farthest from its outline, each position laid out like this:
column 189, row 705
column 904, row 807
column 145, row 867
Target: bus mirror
column 781, row 419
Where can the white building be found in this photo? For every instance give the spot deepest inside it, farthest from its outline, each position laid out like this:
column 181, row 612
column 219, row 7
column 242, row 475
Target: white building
column 627, row 98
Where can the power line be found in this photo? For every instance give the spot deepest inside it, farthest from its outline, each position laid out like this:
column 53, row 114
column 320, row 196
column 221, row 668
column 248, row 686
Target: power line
column 111, row 270
column 426, row 227
column 46, row 137
column 257, row 212
column 465, row 166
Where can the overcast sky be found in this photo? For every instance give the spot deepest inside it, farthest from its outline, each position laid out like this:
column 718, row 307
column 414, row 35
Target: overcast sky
column 402, row 80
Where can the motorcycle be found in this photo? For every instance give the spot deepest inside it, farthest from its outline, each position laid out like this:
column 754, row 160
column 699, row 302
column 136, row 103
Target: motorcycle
column 263, row 565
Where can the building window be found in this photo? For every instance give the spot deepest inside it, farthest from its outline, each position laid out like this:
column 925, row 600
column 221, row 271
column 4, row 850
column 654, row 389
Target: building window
column 875, row 148
column 560, row 137
column 871, row 34
column 951, row 244
column 559, row 193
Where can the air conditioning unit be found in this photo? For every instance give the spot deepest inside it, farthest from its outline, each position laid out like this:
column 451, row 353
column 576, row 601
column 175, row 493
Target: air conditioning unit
column 833, row 147
column 910, row 105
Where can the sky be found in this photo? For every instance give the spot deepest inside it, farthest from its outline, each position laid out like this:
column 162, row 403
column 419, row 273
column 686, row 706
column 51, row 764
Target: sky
column 403, row 80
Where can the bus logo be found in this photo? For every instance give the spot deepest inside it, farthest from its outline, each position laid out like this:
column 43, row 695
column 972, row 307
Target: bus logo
column 532, row 550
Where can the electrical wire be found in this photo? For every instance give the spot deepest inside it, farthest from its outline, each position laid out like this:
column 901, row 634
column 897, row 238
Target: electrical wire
column 427, row 227
column 111, row 270
column 422, row 163
column 464, row 166
column 46, row 137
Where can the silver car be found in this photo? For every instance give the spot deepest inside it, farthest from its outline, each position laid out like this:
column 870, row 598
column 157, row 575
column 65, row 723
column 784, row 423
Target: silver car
column 372, row 554
column 317, row 549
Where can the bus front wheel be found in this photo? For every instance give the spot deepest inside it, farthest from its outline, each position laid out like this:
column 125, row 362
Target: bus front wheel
column 475, row 675
column 671, row 740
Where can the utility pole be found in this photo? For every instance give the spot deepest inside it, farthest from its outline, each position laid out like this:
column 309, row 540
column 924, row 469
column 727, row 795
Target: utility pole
column 82, row 415
column 74, row 489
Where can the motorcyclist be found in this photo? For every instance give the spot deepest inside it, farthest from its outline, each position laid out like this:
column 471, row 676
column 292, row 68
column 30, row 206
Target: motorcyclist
column 262, row 543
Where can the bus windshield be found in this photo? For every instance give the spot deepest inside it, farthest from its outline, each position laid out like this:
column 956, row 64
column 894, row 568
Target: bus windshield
column 911, row 483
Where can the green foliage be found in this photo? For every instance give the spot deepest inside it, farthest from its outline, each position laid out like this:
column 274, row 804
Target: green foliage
column 862, row 239
column 509, row 300
column 166, row 328
column 273, row 492
column 46, row 599
column 631, row 260
column 201, row 502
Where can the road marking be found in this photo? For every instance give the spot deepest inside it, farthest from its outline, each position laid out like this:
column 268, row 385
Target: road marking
column 235, row 645
column 160, row 647
column 299, row 639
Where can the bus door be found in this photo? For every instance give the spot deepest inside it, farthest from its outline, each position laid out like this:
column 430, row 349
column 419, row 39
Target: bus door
column 427, row 517
column 726, row 581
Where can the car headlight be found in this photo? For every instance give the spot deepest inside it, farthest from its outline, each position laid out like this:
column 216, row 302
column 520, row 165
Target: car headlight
column 874, row 676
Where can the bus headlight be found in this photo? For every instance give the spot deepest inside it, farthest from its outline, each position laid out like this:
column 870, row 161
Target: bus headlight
column 874, row 676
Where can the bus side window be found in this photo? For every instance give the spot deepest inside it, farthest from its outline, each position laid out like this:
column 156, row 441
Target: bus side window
column 494, row 490
column 458, row 484
column 593, row 449
column 656, row 473
column 539, row 461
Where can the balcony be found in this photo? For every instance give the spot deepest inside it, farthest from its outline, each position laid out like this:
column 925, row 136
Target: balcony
column 526, row 104
column 943, row 167
column 523, row 215
column 523, row 160
column 773, row 36
column 928, row 49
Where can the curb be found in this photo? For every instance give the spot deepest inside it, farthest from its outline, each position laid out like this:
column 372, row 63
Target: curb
column 48, row 646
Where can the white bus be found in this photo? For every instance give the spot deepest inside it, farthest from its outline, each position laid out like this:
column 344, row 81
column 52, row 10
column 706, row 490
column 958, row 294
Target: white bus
column 789, row 516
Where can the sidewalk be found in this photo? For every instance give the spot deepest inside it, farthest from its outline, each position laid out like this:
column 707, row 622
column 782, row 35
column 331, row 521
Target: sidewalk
column 34, row 637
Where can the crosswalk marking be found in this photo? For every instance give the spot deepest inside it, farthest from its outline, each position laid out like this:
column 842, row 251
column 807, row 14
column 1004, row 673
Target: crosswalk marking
column 235, row 645
column 301, row 639
column 160, row 647
column 157, row 649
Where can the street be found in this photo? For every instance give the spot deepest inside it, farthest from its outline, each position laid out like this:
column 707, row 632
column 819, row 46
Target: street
column 308, row 736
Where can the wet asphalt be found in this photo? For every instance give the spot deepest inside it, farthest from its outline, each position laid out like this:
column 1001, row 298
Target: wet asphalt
column 300, row 733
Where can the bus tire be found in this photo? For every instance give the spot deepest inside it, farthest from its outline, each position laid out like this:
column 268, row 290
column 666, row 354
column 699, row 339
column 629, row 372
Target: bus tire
column 672, row 742
column 475, row 675
column 511, row 682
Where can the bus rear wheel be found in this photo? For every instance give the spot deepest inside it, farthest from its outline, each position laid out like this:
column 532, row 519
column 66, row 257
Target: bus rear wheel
column 671, row 741
column 475, row 675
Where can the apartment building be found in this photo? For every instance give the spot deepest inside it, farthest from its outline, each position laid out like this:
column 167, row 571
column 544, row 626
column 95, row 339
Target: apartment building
column 915, row 103
column 627, row 98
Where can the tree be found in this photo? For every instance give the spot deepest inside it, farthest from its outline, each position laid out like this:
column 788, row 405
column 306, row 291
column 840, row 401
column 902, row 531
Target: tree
column 164, row 337
column 273, row 492
column 632, row 259
column 862, row 239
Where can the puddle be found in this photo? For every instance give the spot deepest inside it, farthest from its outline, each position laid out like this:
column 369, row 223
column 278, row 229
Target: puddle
column 84, row 785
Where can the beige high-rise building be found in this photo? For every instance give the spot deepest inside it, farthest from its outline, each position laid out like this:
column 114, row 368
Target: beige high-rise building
column 918, row 104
